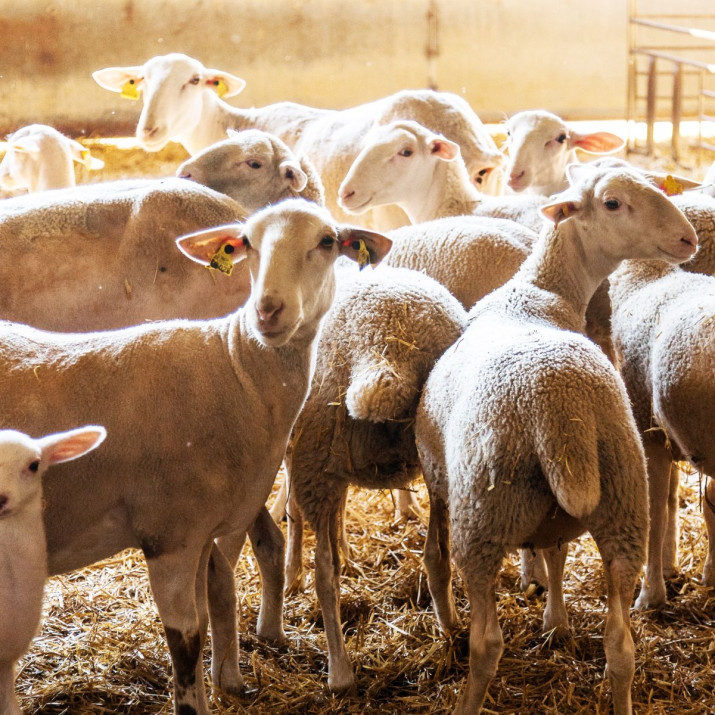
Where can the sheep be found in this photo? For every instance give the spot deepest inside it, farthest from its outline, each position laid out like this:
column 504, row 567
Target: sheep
column 254, row 168
column 524, row 428
column 410, row 165
column 665, row 340
column 182, row 101
column 169, row 480
column 541, row 145
column 23, row 554
column 378, row 344
column 38, row 158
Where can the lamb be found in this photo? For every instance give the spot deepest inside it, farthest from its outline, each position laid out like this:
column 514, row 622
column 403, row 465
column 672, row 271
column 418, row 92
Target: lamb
column 187, row 476
column 182, row 101
column 541, row 145
column 38, row 158
column 410, row 165
column 524, row 427
column 665, row 341
column 254, row 168
column 23, row 553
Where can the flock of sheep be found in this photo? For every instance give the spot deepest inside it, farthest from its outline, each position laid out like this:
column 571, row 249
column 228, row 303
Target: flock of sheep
column 462, row 357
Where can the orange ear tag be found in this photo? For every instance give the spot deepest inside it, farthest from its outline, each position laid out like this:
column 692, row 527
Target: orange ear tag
column 129, row 90
column 218, row 86
column 672, row 186
column 221, row 260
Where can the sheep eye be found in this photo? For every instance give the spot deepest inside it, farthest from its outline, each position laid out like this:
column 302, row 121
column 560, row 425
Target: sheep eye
column 612, row 204
column 194, row 80
column 561, row 138
column 405, row 152
column 327, row 241
column 34, row 466
column 254, row 164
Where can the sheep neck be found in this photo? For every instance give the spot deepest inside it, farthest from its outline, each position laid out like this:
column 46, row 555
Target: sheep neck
column 567, row 262
column 447, row 192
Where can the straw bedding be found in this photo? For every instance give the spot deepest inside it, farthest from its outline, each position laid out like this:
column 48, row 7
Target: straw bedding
column 101, row 648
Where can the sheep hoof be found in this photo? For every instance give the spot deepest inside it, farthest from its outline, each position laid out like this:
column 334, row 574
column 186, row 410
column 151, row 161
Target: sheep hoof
column 708, row 578
column 534, row 589
column 649, row 601
column 229, row 680
column 272, row 633
column 341, row 682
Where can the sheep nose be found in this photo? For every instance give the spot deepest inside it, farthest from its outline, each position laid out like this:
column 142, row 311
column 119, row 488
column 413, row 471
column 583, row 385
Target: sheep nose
column 268, row 310
column 150, row 132
column 3, row 501
column 515, row 176
column 690, row 240
column 483, row 174
column 345, row 195
column 185, row 175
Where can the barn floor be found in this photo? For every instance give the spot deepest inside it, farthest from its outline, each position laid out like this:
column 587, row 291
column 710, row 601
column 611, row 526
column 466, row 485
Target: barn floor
column 102, row 650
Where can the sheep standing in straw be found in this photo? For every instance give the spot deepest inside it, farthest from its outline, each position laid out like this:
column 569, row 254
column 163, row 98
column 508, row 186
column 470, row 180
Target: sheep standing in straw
column 525, row 430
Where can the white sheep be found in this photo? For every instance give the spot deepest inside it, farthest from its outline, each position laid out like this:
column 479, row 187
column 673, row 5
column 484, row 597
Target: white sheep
column 182, row 102
column 199, row 415
column 540, row 147
column 664, row 335
column 524, row 427
column 38, row 157
column 254, row 168
column 421, row 171
column 23, row 552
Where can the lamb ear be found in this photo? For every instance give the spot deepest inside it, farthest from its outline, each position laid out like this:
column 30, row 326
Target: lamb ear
column 576, row 172
column 26, row 145
column 671, row 183
column 202, row 246
column 83, row 156
column 115, row 78
column 294, row 175
column 351, row 237
column 223, row 83
column 566, row 204
column 597, row 142
column 65, row 446
column 443, row 148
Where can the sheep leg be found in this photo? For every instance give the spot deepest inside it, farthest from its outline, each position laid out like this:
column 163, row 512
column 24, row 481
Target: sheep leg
column 709, row 515
column 670, row 542
column 653, row 589
column 556, row 617
column 294, row 578
column 406, row 505
column 278, row 509
column 485, row 645
column 8, row 701
column 618, row 642
column 327, row 586
column 173, row 577
column 225, row 672
column 438, row 563
column 532, row 567
column 269, row 548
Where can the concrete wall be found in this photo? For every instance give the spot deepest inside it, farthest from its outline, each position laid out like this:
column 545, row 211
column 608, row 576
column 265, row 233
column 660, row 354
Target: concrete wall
column 501, row 55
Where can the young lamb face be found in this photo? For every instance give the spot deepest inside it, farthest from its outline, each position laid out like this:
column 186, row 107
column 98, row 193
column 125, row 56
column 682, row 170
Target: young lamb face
column 625, row 214
column 23, row 461
column 541, row 145
column 290, row 248
column 395, row 164
column 252, row 167
column 172, row 87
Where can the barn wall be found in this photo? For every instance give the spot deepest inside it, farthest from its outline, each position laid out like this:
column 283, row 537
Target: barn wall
column 501, row 55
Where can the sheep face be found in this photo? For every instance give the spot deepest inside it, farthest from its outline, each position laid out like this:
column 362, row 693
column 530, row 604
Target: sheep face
column 252, row 167
column 625, row 214
column 541, row 145
column 173, row 88
column 24, row 460
column 396, row 163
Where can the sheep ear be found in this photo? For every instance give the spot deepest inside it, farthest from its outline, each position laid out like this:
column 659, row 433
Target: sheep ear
column 443, row 148
column 116, row 78
column 64, row 446
column 216, row 247
column 567, row 205
column 223, row 83
column 576, row 172
column 294, row 175
column 671, row 184
column 597, row 143
column 26, row 145
column 363, row 246
column 83, row 156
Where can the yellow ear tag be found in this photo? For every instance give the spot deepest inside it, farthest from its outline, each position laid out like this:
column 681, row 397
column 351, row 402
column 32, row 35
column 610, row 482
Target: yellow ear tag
column 218, row 86
column 672, row 186
column 86, row 157
column 363, row 255
column 565, row 210
column 221, row 260
column 129, row 90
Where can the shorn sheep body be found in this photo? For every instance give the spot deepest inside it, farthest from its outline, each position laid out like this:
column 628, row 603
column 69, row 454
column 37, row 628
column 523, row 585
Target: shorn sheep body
column 39, row 157
column 198, row 416
column 664, row 335
column 182, row 102
column 23, row 551
column 525, row 431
